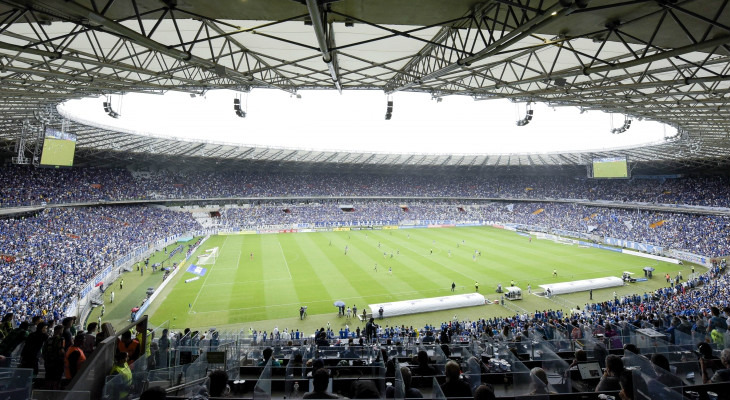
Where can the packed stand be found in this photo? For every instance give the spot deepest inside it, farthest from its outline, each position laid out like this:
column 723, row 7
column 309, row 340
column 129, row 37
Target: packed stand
column 22, row 185
column 47, row 258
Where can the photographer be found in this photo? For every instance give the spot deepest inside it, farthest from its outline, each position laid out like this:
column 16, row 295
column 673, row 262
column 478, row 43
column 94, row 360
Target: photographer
column 371, row 329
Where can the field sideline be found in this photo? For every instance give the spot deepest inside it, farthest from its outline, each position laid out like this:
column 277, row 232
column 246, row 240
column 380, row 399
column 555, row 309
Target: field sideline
column 312, row 269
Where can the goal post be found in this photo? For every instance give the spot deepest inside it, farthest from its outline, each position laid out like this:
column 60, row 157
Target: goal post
column 208, row 257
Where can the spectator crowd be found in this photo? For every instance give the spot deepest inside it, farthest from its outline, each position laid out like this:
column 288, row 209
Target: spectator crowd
column 49, row 257
column 22, row 185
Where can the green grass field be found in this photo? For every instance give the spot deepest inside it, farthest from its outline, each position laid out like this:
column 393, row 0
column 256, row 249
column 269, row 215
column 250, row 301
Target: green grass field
column 289, row 270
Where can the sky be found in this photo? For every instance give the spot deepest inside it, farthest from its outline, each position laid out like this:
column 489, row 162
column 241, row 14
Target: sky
column 355, row 121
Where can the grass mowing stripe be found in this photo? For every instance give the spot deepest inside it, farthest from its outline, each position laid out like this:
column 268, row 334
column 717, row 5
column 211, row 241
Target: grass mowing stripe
column 289, row 270
column 210, row 270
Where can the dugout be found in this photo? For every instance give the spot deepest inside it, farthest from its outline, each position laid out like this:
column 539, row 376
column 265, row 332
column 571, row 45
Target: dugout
column 512, row 293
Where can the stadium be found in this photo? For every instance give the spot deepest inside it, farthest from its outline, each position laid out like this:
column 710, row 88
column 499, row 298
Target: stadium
column 368, row 220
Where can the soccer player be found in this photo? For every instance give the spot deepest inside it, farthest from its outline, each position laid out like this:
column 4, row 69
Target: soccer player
column 390, row 270
column 555, row 273
column 453, row 286
column 476, row 286
column 345, row 249
column 376, row 267
column 251, row 257
column 349, row 312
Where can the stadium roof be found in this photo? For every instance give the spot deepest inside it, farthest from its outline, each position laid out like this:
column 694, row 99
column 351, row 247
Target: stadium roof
column 660, row 60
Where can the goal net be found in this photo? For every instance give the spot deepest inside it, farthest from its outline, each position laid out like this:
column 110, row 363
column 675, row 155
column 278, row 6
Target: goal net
column 562, row 240
column 208, row 257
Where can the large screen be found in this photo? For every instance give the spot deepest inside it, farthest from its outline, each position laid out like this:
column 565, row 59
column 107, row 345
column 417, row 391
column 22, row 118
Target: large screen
column 613, row 167
column 58, row 148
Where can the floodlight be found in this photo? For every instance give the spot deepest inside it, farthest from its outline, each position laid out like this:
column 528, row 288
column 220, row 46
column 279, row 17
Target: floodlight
column 625, row 127
column 108, row 108
column 528, row 116
column 240, row 112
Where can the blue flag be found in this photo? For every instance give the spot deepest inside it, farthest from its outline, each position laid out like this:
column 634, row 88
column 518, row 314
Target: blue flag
column 194, row 269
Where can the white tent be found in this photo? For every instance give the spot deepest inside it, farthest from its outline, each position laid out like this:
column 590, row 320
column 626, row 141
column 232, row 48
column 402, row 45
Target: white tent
column 427, row 305
column 583, row 285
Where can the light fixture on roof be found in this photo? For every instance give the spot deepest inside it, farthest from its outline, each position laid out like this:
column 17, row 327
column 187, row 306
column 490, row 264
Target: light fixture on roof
column 623, row 128
column 389, row 109
column 240, row 111
column 108, row 108
column 528, row 116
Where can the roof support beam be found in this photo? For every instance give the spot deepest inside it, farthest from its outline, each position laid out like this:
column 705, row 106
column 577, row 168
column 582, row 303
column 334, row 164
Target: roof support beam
column 315, row 13
column 143, row 40
column 660, row 55
column 515, row 35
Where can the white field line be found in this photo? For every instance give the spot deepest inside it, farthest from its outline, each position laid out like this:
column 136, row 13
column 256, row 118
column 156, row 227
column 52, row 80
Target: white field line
column 210, row 270
column 284, row 257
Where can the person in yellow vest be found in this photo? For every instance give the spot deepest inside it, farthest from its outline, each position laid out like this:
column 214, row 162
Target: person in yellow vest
column 121, row 368
column 140, row 335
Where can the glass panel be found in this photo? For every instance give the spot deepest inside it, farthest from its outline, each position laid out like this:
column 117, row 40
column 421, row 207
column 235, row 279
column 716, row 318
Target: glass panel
column 555, row 368
column 648, row 385
column 651, row 371
column 296, row 375
column 262, row 390
column 16, row 383
column 436, row 392
column 473, row 371
column 399, row 388
column 650, row 341
column 510, row 372
column 58, row 395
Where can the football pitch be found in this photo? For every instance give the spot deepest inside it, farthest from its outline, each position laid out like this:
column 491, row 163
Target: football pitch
column 268, row 277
